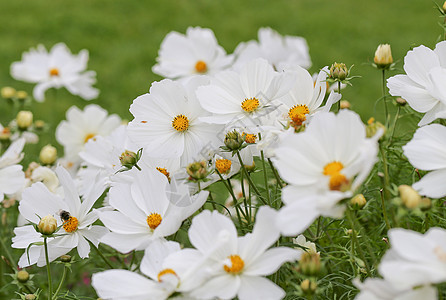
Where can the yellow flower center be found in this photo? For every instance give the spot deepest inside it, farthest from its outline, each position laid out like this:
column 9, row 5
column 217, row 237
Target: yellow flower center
column 249, row 138
column 54, row 72
column 164, row 171
column 89, row 136
column 333, row 168
column 164, row 272
column 298, row 113
column 250, row 104
column 337, row 181
column 180, row 123
column 154, row 220
column 201, row 66
column 71, row 224
column 223, row 165
column 237, row 265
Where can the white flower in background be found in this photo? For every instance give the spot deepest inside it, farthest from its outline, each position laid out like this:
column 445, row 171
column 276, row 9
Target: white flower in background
column 302, row 241
column 195, row 53
column 306, row 97
column 427, row 151
column 423, row 87
column 379, row 289
column 12, row 178
column 238, row 193
column 414, row 258
column 167, row 122
column 55, row 69
column 163, row 279
column 244, row 97
column 38, row 201
column 81, row 126
column 148, row 208
column 323, row 165
column 279, row 51
column 237, row 265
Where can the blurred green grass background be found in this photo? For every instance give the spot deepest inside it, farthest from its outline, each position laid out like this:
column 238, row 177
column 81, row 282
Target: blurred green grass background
column 123, row 38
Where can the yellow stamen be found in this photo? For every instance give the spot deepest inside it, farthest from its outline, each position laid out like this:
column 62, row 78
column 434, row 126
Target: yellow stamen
column 298, row 113
column 249, row 138
column 250, row 104
column 237, row 265
column 223, row 165
column 154, row 220
column 164, row 272
column 180, row 123
column 89, row 136
column 54, row 72
column 338, row 182
column 201, row 66
column 71, row 224
column 371, row 120
column 164, row 171
column 333, row 168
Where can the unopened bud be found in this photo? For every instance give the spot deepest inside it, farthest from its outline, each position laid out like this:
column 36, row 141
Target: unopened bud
column 444, row 7
column 308, row 286
column 409, row 196
column 338, row 71
column 22, row 95
column 8, row 92
column 234, row 140
column 373, row 126
column 426, row 203
column 198, row 170
column 30, row 297
column 358, row 201
column 345, row 104
column 310, row 263
column 24, row 119
column 22, row 276
column 48, row 155
column 128, row 158
column 47, row 225
column 401, row 101
column 383, row 56
column 5, row 134
column 65, row 258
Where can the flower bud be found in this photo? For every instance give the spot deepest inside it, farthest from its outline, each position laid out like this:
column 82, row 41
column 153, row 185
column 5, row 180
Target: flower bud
column 373, row 126
column 383, row 56
column 310, row 263
column 5, row 134
column 30, row 297
column 444, row 7
column 47, row 225
column 426, row 203
column 358, row 201
column 128, row 159
column 8, row 92
column 22, row 95
column 22, row 276
column 48, row 155
column 39, row 124
column 401, row 101
column 234, row 140
column 308, row 287
column 65, row 258
column 198, row 170
column 345, row 104
column 24, row 119
column 338, row 71
column 409, row 196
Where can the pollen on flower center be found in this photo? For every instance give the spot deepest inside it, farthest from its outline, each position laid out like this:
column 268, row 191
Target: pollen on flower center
column 164, row 171
column 223, row 165
column 237, row 264
column 298, row 113
column 201, row 66
column 153, row 220
column 333, row 168
column 89, row 136
column 180, row 123
column 249, row 138
column 164, row 272
column 337, row 182
column 54, row 72
column 250, row 104
column 71, row 224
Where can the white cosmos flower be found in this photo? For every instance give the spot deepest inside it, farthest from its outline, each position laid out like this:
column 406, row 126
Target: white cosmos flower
column 237, row 265
column 12, row 178
column 148, row 208
column 246, row 96
column 57, row 68
column 77, row 230
column 81, row 126
column 423, row 87
column 427, row 151
column 167, row 122
column 195, row 53
column 162, row 281
column 278, row 50
column 324, row 164
column 415, row 259
column 379, row 289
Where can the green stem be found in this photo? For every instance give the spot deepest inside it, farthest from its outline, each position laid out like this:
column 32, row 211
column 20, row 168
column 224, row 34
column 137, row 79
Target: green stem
column 384, row 97
column 251, row 183
column 355, row 240
column 394, row 124
column 102, row 256
column 64, row 275
column 386, row 172
column 383, row 204
column 265, row 178
column 339, row 92
column 50, row 284
column 8, row 255
column 234, row 198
